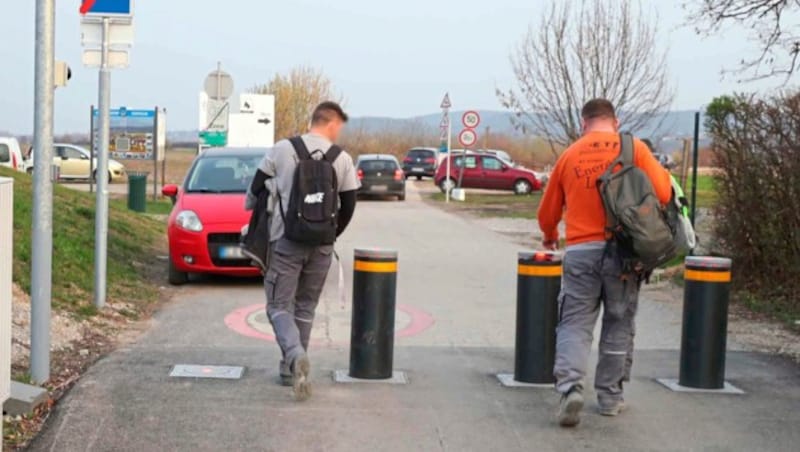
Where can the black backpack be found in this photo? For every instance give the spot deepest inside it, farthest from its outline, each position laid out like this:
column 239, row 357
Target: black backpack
column 635, row 218
column 313, row 211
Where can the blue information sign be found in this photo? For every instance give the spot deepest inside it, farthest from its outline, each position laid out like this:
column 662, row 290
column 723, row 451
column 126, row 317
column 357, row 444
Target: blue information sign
column 107, row 7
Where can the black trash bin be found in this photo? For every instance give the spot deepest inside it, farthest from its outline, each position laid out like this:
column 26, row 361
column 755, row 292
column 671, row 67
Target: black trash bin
column 137, row 191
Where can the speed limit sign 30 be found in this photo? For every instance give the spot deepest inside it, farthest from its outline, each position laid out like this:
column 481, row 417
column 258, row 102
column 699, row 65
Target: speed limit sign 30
column 467, row 138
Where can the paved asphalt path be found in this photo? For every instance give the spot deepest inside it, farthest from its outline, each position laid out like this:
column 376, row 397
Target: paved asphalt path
column 455, row 325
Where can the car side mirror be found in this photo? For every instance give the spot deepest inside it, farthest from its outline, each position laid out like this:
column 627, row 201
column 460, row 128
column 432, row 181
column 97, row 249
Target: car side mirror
column 84, row 157
column 170, row 191
column 505, row 168
column 64, row 157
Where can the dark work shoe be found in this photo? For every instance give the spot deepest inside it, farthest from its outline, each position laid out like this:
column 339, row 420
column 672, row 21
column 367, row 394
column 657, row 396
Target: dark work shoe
column 301, row 368
column 569, row 412
column 611, row 408
column 286, row 377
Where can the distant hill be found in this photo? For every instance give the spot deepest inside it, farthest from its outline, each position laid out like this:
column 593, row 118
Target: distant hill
column 675, row 124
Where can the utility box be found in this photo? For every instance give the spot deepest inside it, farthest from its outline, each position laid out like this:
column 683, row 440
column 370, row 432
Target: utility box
column 6, row 246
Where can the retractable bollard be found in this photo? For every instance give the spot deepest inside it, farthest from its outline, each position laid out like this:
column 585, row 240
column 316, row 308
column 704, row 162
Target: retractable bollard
column 538, row 285
column 374, row 298
column 705, row 322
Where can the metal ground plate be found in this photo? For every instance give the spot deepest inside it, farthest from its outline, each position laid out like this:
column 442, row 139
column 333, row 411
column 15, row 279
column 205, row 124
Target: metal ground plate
column 508, row 381
column 197, row 371
column 672, row 385
column 398, row 378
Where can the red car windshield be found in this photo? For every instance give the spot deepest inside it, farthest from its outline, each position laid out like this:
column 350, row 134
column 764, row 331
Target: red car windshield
column 223, row 174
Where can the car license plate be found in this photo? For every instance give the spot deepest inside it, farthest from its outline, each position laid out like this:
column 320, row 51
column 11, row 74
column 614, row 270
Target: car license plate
column 230, row 252
column 380, row 188
column 418, row 170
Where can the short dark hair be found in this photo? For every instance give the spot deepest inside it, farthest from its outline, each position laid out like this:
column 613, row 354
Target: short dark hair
column 327, row 112
column 598, row 108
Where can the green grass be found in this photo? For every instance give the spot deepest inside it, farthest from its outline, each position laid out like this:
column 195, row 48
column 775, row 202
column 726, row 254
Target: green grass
column 133, row 242
column 162, row 206
column 706, row 191
column 501, row 205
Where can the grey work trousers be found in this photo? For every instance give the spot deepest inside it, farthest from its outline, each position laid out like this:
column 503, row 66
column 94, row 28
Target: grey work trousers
column 293, row 284
column 592, row 277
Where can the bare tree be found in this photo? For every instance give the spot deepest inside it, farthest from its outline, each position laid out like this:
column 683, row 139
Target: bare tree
column 775, row 26
column 604, row 48
column 296, row 95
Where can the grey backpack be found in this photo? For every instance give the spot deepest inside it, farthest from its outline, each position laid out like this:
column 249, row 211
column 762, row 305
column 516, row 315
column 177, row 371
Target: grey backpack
column 635, row 219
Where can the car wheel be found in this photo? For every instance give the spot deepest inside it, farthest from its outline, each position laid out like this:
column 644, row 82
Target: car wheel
column 447, row 185
column 94, row 176
column 175, row 276
column 419, row 177
column 522, row 187
column 401, row 197
column 30, row 171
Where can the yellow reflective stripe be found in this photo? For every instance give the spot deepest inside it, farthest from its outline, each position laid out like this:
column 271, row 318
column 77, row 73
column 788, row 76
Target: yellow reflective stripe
column 376, row 267
column 539, row 270
column 706, row 276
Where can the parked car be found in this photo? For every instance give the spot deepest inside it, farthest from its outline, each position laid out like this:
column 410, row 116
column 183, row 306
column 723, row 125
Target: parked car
column 10, row 154
column 420, row 162
column 206, row 221
column 75, row 162
column 487, row 171
column 380, row 174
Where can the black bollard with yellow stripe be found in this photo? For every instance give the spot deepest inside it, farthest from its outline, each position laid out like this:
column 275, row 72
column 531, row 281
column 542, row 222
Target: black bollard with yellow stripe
column 538, row 285
column 705, row 322
column 372, row 329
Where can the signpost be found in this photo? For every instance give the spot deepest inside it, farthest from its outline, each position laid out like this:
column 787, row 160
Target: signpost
column 107, row 33
column 468, row 138
column 445, row 138
column 215, row 108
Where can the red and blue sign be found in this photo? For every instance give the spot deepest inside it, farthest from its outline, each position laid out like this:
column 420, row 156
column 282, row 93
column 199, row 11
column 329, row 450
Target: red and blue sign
column 107, row 7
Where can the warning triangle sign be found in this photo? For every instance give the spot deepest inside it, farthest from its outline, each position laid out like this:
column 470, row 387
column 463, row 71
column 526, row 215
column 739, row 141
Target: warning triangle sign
column 446, row 101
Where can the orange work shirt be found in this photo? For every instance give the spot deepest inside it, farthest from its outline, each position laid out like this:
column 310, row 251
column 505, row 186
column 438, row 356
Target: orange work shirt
column 572, row 189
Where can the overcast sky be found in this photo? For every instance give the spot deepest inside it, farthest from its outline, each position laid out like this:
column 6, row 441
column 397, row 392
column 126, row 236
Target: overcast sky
column 388, row 58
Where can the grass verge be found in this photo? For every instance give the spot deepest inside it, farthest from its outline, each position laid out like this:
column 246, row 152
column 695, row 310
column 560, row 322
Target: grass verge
column 502, row 205
column 133, row 242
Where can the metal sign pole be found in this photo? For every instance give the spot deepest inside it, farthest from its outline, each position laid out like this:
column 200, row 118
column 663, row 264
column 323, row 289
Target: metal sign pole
column 91, row 149
column 449, row 146
column 42, row 247
column 101, row 209
column 155, row 155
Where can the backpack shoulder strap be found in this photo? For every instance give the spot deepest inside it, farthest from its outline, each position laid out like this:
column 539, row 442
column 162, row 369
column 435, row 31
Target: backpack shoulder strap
column 300, row 148
column 332, row 154
column 626, row 151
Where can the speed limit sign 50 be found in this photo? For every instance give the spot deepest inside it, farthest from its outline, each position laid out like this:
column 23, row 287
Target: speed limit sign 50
column 471, row 119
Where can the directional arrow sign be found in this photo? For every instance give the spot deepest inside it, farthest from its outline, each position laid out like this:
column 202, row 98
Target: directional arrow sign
column 264, row 121
column 446, row 102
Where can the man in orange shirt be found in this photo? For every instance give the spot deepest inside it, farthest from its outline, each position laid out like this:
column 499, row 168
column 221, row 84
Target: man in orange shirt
column 592, row 269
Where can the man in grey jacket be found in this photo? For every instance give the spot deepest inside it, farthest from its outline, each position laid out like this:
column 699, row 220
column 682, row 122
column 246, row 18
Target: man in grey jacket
column 297, row 271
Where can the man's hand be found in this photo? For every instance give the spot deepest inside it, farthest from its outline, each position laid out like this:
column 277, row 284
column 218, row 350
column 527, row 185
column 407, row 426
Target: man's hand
column 550, row 245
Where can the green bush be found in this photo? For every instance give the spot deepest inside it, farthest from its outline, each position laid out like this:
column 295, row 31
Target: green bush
column 757, row 146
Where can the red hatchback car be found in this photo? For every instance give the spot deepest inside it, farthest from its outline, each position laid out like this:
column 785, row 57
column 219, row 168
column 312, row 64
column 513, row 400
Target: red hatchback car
column 486, row 171
column 207, row 218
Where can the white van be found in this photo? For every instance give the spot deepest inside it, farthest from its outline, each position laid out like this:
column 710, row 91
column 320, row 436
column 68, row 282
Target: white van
column 10, row 154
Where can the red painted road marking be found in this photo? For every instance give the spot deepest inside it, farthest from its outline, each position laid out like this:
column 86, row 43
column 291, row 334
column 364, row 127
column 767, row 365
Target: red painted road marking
column 237, row 321
column 87, row 5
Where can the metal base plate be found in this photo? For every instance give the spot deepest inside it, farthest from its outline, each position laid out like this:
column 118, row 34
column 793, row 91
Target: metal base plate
column 398, row 378
column 218, row 372
column 672, row 385
column 508, row 381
